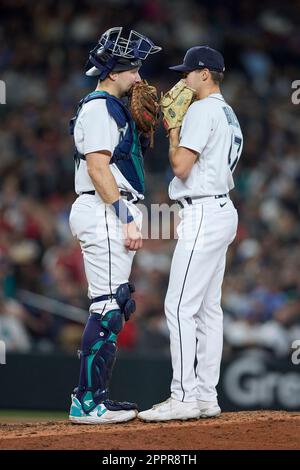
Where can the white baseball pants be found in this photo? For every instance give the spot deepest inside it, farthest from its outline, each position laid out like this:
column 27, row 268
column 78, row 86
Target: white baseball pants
column 193, row 302
column 107, row 262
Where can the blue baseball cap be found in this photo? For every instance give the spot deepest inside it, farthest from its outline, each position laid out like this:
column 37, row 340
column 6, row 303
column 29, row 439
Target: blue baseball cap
column 200, row 57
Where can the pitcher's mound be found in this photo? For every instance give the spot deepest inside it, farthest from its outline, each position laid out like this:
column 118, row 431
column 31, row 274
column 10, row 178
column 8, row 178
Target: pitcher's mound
column 243, row 430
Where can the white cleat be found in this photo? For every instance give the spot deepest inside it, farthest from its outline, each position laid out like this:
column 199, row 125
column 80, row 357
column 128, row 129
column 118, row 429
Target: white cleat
column 171, row 409
column 100, row 415
column 209, row 409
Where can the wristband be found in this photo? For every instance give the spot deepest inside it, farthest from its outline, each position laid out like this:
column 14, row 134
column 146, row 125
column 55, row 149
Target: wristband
column 122, row 211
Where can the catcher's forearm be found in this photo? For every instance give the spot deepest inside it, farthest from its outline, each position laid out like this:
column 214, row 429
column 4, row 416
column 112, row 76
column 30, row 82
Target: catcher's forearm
column 102, row 177
column 105, row 185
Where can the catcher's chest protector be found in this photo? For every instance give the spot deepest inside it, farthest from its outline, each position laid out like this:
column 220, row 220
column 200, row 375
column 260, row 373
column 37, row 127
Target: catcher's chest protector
column 127, row 154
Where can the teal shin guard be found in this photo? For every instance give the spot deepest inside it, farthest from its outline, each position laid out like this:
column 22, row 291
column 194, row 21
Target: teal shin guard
column 98, row 353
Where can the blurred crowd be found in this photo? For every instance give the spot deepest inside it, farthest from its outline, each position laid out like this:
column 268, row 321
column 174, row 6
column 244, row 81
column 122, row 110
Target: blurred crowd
column 43, row 51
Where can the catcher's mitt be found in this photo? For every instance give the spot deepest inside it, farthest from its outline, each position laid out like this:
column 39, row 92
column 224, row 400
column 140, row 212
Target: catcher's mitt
column 144, row 108
column 175, row 103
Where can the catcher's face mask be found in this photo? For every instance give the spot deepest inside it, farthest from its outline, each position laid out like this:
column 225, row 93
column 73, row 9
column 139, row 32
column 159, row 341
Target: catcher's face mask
column 115, row 53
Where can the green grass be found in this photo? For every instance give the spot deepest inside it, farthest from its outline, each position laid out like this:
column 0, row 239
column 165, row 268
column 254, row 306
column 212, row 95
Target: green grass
column 33, row 414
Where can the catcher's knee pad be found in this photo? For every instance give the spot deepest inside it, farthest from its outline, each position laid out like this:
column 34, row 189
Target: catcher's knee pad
column 124, row 300
column 98, row 352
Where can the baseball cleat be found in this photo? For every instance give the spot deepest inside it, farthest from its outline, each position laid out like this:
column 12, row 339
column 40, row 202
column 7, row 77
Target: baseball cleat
column 209, row 409
column 171, row 409
column 100, row 415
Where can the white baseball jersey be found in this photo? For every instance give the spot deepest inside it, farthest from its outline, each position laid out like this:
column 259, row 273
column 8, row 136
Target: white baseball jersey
column 210, row 127
column 96, row 130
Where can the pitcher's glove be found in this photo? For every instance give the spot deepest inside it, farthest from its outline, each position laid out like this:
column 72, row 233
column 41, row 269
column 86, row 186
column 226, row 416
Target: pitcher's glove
column 175, row 103
column 144, row 108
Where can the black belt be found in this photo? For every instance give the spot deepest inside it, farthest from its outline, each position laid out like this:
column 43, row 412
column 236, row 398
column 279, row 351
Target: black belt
column 129, row 196
column 190, row 200
column 103, row 297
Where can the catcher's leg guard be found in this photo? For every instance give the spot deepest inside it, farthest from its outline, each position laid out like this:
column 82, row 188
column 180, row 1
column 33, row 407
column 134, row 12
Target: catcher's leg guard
column 98, row 351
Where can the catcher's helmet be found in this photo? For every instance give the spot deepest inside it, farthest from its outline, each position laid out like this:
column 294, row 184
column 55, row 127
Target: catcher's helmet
column 115, row 53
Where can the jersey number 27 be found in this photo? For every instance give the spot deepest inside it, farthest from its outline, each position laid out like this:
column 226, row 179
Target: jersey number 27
column 234, row 151
column 236, row 141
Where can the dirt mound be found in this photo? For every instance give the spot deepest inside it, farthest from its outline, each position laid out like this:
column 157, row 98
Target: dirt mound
column 243, row 430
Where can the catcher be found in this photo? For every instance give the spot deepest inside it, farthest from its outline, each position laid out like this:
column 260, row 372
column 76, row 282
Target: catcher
column 109, row 181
